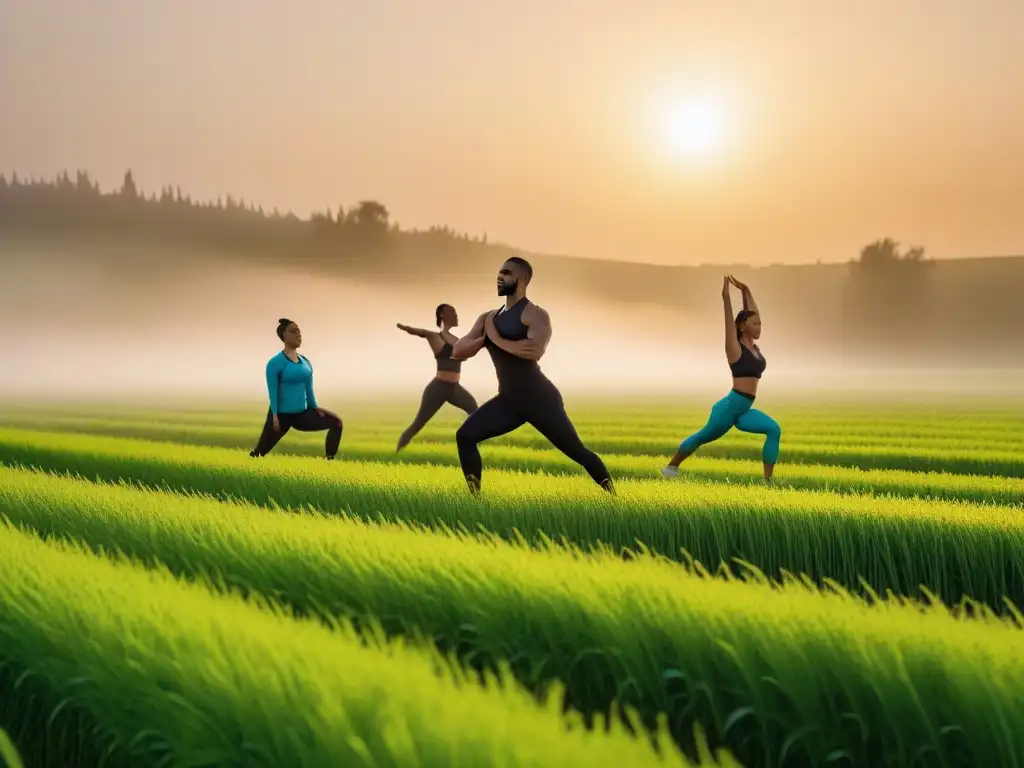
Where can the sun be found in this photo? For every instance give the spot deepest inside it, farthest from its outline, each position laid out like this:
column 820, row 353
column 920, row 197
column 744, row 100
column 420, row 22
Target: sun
column 695, row 130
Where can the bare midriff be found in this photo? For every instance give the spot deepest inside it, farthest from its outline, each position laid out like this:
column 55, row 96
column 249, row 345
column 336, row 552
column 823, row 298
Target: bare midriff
column 746, row 384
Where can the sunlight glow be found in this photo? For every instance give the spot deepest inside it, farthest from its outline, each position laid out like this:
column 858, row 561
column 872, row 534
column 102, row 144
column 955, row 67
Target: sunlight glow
column 695, row 130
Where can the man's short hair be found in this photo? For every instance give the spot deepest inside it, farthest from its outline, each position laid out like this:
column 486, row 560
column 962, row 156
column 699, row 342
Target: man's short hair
column 524, row 264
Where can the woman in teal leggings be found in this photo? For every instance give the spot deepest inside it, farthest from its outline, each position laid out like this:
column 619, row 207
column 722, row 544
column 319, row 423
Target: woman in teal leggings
column 736, row 408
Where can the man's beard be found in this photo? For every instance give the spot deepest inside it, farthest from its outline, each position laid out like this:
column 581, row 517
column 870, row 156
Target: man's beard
column 507, row 289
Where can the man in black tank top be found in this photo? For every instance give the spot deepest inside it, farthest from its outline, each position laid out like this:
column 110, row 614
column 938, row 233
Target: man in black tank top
column 516, row 337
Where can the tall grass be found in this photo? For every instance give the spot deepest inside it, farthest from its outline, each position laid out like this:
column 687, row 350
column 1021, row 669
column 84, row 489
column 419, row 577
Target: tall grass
column 996, row 458
column 948, row 419
column 8, row 752
column 20, row 445
column 781, row 677
column 956, row 549
column 170, row 674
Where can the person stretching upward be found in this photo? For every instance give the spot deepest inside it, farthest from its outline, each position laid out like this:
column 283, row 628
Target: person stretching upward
column 516, row 336
column 735, row 409
column 444, row 387
column 292, row 402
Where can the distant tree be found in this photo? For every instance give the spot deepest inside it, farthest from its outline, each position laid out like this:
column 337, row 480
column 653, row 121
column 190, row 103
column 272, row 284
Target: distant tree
column 371, row 216
column 128, row 188
column 886, row 252
column 886, row 300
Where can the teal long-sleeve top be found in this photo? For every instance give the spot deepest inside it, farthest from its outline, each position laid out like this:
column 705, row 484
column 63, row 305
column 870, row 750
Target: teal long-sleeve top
column 290, row 384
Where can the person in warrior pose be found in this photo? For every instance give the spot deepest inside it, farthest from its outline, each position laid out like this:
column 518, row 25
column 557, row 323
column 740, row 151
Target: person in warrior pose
column 736, row 409
column 292, row 403
column 445, row 387
column 516, row 336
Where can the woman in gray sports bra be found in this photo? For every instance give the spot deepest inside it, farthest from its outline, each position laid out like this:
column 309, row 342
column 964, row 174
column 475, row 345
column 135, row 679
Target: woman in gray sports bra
column 445, row 386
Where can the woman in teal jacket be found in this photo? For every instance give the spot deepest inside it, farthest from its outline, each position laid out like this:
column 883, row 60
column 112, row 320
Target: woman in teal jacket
column 292, row 402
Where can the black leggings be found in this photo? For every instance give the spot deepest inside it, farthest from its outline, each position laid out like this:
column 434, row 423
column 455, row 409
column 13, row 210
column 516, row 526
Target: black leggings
column 540, row 406
column 436, row 394
column 307, row 421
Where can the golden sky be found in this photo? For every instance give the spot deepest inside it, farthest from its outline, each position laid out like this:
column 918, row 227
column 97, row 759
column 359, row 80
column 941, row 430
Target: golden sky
column 544, row 123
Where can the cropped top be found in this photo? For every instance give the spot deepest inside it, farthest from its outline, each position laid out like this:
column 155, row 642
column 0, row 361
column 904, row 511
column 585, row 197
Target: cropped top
column 444, row 359
column 749, row 365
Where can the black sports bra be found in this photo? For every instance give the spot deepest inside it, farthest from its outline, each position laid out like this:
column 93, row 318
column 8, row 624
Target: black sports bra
column 749, row 365
column 444, row 359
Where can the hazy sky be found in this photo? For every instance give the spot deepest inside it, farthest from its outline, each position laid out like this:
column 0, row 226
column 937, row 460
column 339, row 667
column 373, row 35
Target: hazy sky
column 543, row 123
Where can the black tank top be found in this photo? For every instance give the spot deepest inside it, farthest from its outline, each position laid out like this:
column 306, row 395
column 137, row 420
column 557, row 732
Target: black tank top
column 512, row 371
column 444, row 359
column 749, row 365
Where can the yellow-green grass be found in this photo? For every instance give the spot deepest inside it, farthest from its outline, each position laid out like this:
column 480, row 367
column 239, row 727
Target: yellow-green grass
column 9, row 752
column 939, row 415
column 654, row 436
column 884, row 423
column 23, row 445
column 956, row 549
column 946, row 420
column 168, row 673
column 789, row 676
column 993, row 459
column 885, row 420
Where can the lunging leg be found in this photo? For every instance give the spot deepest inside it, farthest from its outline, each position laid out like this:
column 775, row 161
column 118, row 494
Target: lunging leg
column 311, row 421
column 269, row 438
column 720, row 420
column 498, row 416
column 760, row 423
column 434, row 396
column 548, row 416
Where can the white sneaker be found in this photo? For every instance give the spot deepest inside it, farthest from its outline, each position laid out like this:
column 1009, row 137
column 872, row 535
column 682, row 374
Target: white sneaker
column 670, row 472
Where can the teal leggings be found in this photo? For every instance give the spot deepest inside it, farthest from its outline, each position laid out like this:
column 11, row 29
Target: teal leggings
column 735, row 410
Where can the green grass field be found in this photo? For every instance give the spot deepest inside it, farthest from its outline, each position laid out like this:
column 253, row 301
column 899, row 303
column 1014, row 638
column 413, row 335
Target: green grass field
column 167, row 600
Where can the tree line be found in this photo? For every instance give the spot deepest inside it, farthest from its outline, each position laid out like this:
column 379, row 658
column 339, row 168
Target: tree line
column 77, row 206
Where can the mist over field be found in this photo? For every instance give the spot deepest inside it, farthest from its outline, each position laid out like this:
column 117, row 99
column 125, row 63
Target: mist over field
column 128, row 321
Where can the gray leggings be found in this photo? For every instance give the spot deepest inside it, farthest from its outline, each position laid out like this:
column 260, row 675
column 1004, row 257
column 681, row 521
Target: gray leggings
column 436, row 394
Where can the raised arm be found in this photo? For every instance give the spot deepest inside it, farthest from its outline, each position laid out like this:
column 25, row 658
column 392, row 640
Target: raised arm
column 748, row 297
column 732, row 342
column 538, row 334
column 472, row 342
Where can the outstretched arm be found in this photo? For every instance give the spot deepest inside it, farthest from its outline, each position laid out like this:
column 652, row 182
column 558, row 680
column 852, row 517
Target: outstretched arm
column 538, row 334
column 472, row 342
column 748, row 297
column 433, row 337
column 732, row 342
column 421, row 332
